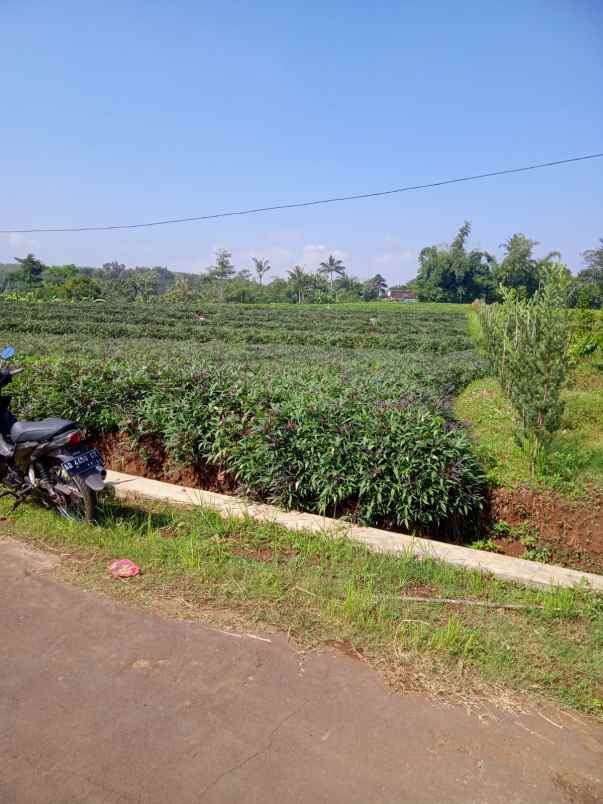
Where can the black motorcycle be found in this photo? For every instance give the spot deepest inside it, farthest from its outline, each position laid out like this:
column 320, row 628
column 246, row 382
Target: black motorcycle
column 46, row 460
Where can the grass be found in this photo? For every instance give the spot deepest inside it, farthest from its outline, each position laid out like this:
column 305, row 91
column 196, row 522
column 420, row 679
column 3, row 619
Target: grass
column 576, row 462
column 474, row 328
column 319, row 589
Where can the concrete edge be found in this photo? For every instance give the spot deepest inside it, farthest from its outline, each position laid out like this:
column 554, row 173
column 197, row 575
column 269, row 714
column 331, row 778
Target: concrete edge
column 506, row 568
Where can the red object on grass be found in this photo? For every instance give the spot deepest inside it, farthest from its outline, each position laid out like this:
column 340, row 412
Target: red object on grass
column 123, row 568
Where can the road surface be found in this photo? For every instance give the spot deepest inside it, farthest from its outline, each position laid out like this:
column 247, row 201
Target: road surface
column 104, row 704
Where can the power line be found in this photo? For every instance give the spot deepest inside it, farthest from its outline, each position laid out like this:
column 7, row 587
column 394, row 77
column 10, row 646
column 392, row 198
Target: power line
column 299, row 204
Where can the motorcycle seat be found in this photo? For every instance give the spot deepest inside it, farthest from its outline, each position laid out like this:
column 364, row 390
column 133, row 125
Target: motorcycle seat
column 40, row 431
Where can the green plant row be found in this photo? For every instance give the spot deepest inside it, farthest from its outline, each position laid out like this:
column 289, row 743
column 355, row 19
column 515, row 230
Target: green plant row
column 396, row 328
column 343, row 411
column 385, row 454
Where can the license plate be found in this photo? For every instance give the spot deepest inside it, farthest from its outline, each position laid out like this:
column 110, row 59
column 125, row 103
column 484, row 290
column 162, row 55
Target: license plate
column 84, row 462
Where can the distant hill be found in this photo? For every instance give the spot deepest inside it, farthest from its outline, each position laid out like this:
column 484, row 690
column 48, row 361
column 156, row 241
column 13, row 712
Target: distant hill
column 7, row 267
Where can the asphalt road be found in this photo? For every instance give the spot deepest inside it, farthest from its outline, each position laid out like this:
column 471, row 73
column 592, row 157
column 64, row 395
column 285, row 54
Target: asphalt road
column 102, row 703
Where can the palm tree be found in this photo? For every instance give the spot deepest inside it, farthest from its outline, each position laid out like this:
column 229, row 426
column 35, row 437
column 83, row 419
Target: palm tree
column 330, row 267
column 261, row 267
column 377, row 285
column 299, row 281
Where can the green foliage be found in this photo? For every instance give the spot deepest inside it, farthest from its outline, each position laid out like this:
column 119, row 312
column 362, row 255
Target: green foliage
column 527, row 341
column 489, row 545
column 590, row 279
column 261, row 268
column 222, row 270
column 453, row 274
column 299, row 281
column 388, row 462
column 30, row 271
column 221, row 282
column 268, row 395
column 587, row 328
column 420, row 329
column 332, row 267
column 575, row 462
column 519, row 269
column 374, row 288
column 181, row 292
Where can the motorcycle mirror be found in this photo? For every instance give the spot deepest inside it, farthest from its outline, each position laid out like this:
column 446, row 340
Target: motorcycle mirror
column 8, row 352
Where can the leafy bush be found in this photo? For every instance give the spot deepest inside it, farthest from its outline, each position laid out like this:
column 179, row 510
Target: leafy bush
column 587, row 331
column 394, row 461
column 528, row 342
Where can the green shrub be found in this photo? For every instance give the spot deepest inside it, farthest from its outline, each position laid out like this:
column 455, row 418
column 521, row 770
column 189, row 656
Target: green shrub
column 324, row 448
column 527, row 342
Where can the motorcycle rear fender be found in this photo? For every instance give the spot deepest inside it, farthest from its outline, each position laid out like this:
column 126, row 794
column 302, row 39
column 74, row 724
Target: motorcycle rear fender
column 53, row 446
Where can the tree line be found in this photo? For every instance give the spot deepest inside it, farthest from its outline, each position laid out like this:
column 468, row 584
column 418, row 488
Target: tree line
column 458, row 274
column 447, row 273
column 221, row 282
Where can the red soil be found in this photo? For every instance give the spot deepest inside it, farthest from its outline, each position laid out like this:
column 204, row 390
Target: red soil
column 571, row 530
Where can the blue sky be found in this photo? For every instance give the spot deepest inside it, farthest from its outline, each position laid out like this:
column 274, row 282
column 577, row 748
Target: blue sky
column 121, row 112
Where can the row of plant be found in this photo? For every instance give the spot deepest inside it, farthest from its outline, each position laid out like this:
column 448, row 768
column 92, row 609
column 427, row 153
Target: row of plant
column 398, row 329
column 359, row 432
column 433, row 378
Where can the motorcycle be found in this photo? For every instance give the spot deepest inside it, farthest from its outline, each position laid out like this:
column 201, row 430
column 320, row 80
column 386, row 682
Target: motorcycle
column 46, row 460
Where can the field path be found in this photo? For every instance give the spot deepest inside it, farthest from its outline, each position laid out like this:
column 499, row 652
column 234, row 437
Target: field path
column 102, row 703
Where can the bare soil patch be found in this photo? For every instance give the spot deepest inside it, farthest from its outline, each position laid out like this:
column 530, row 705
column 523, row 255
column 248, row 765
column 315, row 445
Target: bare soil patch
column 570, row 530
column 148, row 458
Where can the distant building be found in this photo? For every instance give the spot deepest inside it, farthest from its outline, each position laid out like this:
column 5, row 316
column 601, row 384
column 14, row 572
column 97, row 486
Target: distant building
column 401, row 295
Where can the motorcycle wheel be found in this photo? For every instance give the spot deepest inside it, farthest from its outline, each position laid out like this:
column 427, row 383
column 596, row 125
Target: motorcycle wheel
column 79, row 504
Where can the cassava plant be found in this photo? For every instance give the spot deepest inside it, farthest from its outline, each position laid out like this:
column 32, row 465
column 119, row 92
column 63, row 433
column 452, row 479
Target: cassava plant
column 528, row 342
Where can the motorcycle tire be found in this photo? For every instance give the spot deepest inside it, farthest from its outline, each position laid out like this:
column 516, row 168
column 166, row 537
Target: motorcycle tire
column 87, row 504
column 80, row 506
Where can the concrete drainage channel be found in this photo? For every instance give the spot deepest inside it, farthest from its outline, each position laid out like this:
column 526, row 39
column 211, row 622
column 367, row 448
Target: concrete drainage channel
column 506, row 568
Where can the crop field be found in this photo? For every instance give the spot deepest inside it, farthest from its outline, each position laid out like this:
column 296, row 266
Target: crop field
column 343, row 410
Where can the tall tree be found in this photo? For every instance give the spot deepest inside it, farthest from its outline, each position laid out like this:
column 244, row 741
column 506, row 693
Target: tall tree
column 181, row 291
column 261, row 267
column 375, row 287
column 30, row 271
column 222, row 270
column 80, row 286
column 58, row 275
column 590, row 279
column 454, row 274
column 112, row 270
column 332, row 266
column 593, row 258
column 519, row 268
column 299, row 281
column 528, row 343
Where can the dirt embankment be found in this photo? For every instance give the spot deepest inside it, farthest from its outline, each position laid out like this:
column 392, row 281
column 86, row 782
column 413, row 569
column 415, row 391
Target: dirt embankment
column 541, row 525
column 149, row 459
column 548, row 526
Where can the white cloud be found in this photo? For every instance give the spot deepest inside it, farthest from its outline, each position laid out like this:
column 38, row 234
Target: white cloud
column 279, row 257
column 18, row 245
column 399, row 265
column 315, row 253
